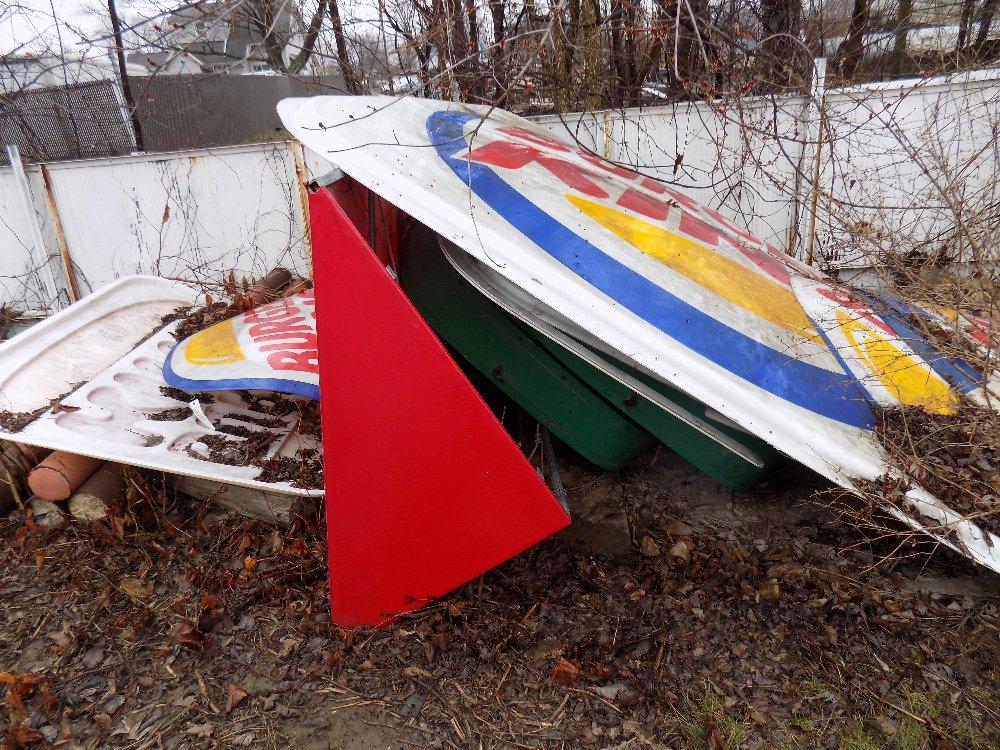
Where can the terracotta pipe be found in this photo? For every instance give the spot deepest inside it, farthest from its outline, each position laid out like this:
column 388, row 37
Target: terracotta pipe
column 269, row 287
column 106, row 485
column 60, row 474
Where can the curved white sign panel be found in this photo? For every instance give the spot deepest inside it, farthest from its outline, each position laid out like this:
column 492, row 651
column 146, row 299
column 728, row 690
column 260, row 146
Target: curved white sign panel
column 683, row 292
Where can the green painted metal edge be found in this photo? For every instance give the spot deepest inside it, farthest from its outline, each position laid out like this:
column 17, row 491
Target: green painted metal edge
column 718, row 462
column 508, row 354
column 731, row 456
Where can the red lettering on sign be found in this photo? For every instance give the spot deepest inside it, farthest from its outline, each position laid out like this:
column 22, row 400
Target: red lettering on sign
column 688, row 203
column 982, row 330
column 608, row 166
column 307, row 361
column 699, row 229
column 704, row 232
column 645, row 204
column 655, row 185
column 516, row 155
column 527, row 135
column 845, row 299
column 306, row 340
column 728, row 225
column 272, row 310
column 277, row 327
column 590, row 158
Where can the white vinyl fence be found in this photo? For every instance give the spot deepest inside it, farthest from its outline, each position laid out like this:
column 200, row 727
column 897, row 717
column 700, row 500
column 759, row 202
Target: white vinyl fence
column 900, row 165
column 192, row 215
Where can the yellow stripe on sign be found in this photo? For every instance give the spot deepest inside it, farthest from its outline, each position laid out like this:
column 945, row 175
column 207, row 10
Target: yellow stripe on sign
column 718, row 274
column 216, row 345
column 909, row 380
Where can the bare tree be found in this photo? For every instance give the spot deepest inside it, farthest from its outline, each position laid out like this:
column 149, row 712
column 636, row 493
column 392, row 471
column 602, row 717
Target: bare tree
column 986, row 15
column 849, row 53
column 273, row 22
column 343, row 59
column 781, row 21
column 903, row 20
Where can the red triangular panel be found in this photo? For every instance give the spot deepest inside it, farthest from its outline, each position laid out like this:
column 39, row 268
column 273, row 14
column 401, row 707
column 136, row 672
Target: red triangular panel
column 424, row 488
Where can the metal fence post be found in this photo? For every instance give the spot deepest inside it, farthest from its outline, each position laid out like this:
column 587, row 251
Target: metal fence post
column 817, row 96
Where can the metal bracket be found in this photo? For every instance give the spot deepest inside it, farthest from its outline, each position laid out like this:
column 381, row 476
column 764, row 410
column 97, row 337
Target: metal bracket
column 326, row 179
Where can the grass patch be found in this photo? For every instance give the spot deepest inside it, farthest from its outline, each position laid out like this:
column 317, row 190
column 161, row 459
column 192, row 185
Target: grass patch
column 876, row 727
column 708, row 710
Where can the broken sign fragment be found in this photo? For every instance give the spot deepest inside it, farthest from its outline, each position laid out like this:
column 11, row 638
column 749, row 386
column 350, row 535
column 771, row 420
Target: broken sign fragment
column 272, row 347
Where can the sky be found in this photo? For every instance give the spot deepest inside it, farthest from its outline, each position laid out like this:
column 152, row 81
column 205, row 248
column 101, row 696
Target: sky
column 30, row 20
column 27, row 21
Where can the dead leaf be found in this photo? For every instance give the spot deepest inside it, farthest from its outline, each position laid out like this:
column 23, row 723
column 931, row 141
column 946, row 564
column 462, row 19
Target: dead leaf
column 20, row 687
column 22, row 735
column 200, row 730
column 681, row 550
column 186, row 633
column 713, row 737
column 648, row 547
column 135, row 589
column 234, row 696
column 769, row 591
column 92, row 657
column 610, row 691
column 565, row 673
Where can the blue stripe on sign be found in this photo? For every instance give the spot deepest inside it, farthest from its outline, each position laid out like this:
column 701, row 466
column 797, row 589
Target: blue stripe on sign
column 831, row 394
column 281, row 385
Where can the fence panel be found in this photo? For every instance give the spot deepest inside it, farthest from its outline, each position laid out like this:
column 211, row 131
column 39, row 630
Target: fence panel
column 79, row 121
column 192, row 215
column 902, row 164
column 22, row 275
column 908, row 166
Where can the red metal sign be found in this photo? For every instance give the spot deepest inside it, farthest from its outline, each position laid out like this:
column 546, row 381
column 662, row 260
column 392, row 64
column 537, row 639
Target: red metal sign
column 424, row 488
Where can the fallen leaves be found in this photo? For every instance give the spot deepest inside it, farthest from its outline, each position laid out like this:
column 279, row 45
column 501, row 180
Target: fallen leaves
column 769, row 591
column 92, row 657
column 135, row 589
column 201, row 731
column 955, row 456
column 564, row 673
column 648, row 547
column 681, row 550
column 186, row 633
column 552, row 649
column 234, row 696
column 713, row 737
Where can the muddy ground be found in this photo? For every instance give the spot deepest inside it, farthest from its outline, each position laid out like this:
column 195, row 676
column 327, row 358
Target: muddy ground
column 710, row 621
